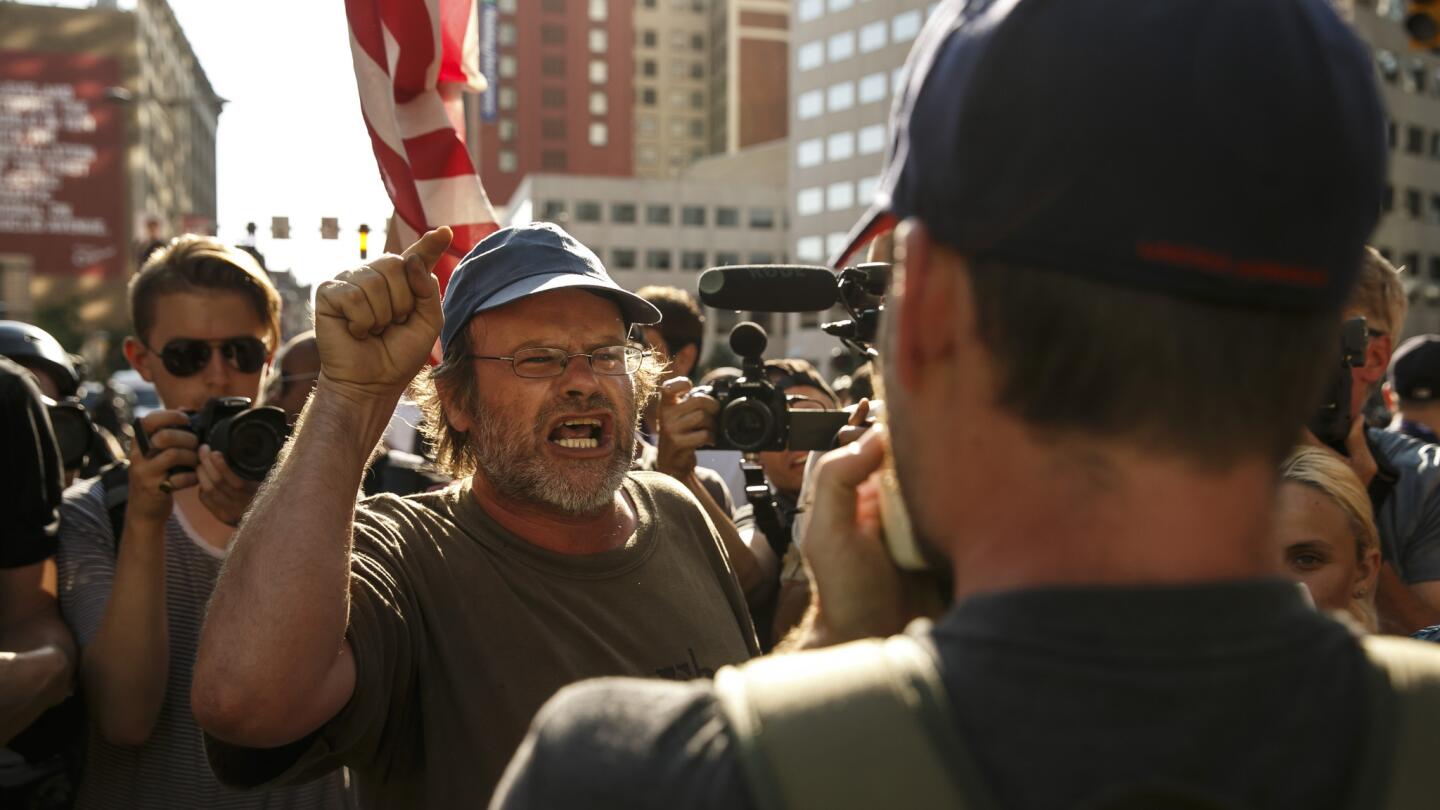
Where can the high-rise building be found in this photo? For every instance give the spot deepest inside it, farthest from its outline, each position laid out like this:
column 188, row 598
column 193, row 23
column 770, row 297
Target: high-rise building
column 749, row 73
column 673, row 82
column 560, row 97
column 1409, row 229
column 846, row 62
column 110, row 122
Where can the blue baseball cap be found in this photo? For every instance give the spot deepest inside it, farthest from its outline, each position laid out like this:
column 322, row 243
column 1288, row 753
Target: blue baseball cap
column 524, row 260
column 1226, row 150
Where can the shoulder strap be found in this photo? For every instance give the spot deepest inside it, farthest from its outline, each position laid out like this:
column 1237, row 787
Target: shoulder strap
column 1408, row 696
column 115, row 484
column 861, row 725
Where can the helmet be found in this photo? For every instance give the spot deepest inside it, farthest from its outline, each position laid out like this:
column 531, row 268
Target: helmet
column 32, row 346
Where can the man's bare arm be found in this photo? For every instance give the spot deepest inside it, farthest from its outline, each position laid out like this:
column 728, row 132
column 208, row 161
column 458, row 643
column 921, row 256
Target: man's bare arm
column 273, row 663
column 36, row 650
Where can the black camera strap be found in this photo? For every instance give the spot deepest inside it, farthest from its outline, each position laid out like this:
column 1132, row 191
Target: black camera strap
column 762, row 503
column 115, row 484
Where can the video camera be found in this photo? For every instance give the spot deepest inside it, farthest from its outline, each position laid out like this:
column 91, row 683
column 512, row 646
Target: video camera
column 249, row 438
column 754, row 414
column 806, row 288
column 1331, row 423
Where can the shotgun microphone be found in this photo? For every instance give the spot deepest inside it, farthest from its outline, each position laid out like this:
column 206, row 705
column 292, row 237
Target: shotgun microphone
column 770, row 288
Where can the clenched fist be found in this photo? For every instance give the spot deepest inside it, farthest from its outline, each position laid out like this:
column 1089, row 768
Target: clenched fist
column 375, row 326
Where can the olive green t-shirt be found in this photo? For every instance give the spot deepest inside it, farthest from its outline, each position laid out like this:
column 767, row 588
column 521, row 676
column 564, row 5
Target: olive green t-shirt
column 462, row 630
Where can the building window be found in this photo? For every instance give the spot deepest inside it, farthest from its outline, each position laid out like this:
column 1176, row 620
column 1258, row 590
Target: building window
column 552, row 35
column 552, row 66
column 840, row 196
column 507, row 6
column 1412, row 202
column 599, row 40
column 1390, row 130
column 599, row 102
column 1416, row 81
column 840, row 5
column 697, row 128
column 599, row 134
column 554, row 160
column 506, row 128
column 841, row 46
column 1435, row 209
column 506, row 98
column 697, row 42
column 507, row 66
column 905, row 26
column 897, row 79
column 622, row 213
column 761, row 258
column 865, row 189
column 1411, row 262
column 725, row 258
column 678, row 68
column 646, row 156
column 809, row 56
column 647, row 96
column 553, row 6
column 645, row 124
column 599, row 10
column 835, row 242
column 872, row 88
column 872, row 139
column 693, row 215
column 840, row 96
column 810, row 249
column 587, row 211
column 506, row 161
column 657, row 215
column 872, row 37
column 647, row 68
column 677, row 127
column 552, row 210
column 1435, row 267
column 840, row 146
column 697, row 100
column 505, row 34
column 657, row 260
column 1415, row 140
column 809, row 153
column 762, row 218
column 810, row 104
column 677, row 99
column 727, row 217
column 697, row 70
column 552, row 127
column 810, row 9
column 622, row 259
column 552, row 97
column 647, row 37
column 692, row 260
column 809, row 201
column 599, row 71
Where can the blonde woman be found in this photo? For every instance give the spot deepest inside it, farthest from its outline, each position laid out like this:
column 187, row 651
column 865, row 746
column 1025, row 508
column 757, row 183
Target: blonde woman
column 1325, row 533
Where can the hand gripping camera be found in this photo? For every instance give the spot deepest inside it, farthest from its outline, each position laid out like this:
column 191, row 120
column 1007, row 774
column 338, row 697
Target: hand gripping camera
column 249, row 438
column 1331, row 424
column 754, row 416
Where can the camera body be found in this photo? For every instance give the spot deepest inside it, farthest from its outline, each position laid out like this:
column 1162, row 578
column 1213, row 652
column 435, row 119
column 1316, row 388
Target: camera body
column 1331, row 423
column 249, row 438
column 754, row 416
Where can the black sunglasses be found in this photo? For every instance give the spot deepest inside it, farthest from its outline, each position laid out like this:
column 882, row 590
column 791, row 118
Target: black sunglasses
column 184, row 357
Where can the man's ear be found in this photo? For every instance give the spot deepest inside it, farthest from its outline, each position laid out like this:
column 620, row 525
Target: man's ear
column 455, row 415
column 136, row 354
column 928, row 307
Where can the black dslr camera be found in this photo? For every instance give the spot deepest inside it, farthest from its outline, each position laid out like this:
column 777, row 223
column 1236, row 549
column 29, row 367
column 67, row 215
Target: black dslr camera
column 249, row 438
column 754, row 416
column 1331, row 424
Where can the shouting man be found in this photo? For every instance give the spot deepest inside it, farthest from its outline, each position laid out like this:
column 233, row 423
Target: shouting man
column 412, row 639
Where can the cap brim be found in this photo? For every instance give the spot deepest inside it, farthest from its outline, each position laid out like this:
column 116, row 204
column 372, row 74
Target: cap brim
column 633, row 307
column 877, row 220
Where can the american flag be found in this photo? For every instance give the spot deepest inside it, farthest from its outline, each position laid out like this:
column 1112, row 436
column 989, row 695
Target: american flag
column 412, row 60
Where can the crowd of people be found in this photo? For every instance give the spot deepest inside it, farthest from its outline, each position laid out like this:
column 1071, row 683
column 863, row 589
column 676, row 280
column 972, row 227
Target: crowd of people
column 1082, row 540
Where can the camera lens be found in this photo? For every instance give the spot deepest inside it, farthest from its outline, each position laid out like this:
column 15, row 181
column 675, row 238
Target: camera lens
column 251, row 441
column 747, row 424
column 72, row 433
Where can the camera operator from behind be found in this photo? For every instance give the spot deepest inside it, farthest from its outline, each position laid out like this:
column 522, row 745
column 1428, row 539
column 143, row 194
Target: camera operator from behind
column 1100, row 340
column 204, row 321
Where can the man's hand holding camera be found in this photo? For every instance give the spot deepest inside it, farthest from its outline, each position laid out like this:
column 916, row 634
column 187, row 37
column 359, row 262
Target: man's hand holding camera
column 375, row 326
column 152, row 483
column 687, row 423
column 224, row 493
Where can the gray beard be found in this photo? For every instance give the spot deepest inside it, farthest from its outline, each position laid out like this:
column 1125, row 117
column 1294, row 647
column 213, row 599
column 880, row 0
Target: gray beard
column 516, row 465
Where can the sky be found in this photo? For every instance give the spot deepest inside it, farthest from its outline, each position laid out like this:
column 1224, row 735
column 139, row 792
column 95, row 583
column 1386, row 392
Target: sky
column 291, row 140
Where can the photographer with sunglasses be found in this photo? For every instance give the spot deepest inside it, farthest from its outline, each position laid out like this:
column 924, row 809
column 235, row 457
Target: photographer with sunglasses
column 205, row 321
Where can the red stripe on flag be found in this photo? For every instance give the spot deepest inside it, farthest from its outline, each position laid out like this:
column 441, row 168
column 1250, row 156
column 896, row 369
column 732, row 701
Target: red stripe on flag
column 365, row 27
column 395, row 174
column 437, row 154
column 409, row 23
column 455, row 22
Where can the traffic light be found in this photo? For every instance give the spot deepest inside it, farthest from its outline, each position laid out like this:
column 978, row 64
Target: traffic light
column 364, row 240
column 329, row 228
column 279, row 227
column 1422, row 23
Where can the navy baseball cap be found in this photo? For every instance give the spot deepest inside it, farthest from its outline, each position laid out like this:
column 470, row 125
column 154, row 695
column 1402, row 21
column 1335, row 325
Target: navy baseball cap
column 524, row 260
column 1415, row 369
column 1227, row 150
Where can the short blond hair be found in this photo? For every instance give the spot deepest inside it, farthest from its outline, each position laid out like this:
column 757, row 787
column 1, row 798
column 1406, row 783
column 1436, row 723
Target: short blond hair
column 1322, row 471
column 192, row 262
column 1379, row 294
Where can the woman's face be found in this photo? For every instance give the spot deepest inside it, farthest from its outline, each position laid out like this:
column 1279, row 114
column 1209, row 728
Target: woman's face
column 1315, row 544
